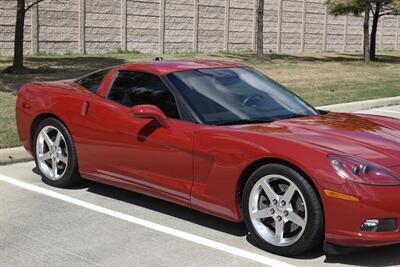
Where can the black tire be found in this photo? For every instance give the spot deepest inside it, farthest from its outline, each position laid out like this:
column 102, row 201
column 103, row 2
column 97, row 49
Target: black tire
column 71, row 175
column 314, row 230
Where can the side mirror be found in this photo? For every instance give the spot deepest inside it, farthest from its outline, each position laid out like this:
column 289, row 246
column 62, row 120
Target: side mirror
column 151, row 112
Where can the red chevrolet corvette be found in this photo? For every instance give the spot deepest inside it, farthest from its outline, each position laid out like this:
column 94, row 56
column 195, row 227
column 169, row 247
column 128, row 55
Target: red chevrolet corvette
column 224, row 139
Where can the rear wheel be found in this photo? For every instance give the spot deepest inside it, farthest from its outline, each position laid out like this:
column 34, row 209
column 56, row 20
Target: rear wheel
column 282, row 211
column 55, row 154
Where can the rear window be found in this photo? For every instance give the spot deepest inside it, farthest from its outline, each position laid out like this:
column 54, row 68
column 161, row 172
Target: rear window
column 93, row 80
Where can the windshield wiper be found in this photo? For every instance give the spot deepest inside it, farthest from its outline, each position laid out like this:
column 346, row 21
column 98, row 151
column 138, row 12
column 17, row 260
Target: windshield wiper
column 237, row 122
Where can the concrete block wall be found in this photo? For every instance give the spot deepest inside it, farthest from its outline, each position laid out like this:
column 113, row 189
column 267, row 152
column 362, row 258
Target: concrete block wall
column 58, row 26
column 315, row 27
column 241, row 25
column 178, row 29
column 291, row 33
column 142, row 23
column 102, row 25
column 210, row 28
column 272, row 24
column 169, row 26
column 389, row 29
column 8, row 11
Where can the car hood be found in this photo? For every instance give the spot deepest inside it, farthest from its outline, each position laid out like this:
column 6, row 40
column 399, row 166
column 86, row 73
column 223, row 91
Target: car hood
column 339, row 133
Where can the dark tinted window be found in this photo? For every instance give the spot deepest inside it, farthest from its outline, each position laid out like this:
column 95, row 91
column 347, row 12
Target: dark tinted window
column 136, row 88
column 92, row 81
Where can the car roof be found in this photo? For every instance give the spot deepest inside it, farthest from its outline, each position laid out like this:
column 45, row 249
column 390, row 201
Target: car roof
column 163, row 67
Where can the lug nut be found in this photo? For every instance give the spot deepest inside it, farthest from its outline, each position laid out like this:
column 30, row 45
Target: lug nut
column 283, row 203
column 275, row 201
column 272, row 211
column 279, row 218
column 286, row 213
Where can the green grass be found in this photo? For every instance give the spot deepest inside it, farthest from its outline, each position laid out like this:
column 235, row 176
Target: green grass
column 319, row 78
column 8, row 129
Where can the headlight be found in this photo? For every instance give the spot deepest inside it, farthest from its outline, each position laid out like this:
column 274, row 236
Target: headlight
column 361, row 171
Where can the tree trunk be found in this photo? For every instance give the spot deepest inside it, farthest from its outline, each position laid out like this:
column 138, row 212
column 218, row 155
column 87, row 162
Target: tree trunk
column 374, row 31
column 259, row 30
column 367, row 56
column 18, row 63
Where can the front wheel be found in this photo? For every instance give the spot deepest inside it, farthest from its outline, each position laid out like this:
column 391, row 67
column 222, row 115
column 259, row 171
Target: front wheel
column 282, row 211
column 54, row 153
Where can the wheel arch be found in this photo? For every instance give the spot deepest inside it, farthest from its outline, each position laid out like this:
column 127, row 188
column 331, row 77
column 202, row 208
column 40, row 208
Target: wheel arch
column 245, row 175
column 37, row 120
column 73, row 173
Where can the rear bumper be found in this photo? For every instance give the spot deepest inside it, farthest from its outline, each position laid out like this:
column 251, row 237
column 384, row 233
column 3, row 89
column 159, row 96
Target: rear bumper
column 344, row 218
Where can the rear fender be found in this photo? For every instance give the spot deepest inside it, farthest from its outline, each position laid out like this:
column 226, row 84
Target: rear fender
column 38, row 101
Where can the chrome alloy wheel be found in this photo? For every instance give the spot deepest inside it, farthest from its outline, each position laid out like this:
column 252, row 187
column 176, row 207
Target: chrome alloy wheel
column 51, row 153
column 277, row 210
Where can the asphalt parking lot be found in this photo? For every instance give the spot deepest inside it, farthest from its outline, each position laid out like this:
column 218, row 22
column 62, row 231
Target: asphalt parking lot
column 98, row 225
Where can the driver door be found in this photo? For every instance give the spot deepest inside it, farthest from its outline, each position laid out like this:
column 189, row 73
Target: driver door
column 137, row 151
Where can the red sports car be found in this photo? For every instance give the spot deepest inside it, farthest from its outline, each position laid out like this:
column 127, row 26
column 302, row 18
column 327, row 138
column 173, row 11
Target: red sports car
column 224, row 139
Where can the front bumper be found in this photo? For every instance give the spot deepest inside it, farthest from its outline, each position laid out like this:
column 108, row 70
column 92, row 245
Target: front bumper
column 343, row 218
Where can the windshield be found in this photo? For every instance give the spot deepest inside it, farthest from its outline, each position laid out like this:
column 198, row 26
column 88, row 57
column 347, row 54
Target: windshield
column 224, row 96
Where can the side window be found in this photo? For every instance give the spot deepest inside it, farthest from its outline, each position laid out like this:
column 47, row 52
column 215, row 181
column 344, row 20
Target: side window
column 92, row 81
column 136, row 88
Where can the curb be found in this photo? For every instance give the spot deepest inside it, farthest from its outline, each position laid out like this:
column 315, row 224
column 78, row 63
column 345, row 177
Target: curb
column 19, row 154
column 14, row 155
column 362, row 105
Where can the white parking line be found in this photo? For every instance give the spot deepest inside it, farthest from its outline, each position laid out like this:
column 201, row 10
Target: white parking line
column 148, row 224
column 389, row 111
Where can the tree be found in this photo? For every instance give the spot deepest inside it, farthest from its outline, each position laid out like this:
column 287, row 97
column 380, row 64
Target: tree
column 22, row 7
column 259, row 29
column 366, row 45
column 377, row 8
